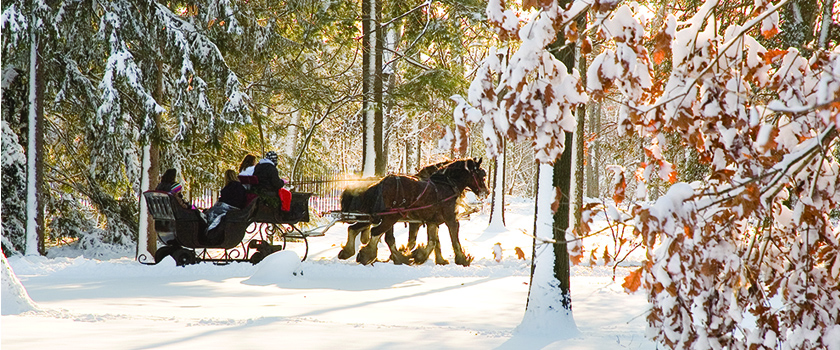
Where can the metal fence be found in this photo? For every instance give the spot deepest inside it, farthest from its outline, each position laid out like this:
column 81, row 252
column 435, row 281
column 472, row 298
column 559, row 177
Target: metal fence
column 327, row 189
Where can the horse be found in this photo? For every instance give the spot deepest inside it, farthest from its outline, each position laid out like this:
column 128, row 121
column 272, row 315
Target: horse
column 349, row 249
column 433, row 201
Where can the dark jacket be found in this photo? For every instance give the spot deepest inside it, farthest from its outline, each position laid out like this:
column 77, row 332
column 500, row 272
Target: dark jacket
column 234, row 194
column 268, row 177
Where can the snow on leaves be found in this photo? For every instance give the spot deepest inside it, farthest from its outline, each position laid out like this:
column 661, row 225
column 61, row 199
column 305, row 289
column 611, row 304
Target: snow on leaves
column 533, row 95
column 755, row 237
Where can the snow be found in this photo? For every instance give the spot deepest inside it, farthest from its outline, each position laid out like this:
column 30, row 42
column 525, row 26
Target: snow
column 15, row 299
column 119, row 303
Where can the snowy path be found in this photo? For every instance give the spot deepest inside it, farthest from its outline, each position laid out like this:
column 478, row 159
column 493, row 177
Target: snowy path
column 119, row 304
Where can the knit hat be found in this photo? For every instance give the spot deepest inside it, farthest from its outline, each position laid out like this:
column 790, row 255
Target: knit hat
column 272, row 156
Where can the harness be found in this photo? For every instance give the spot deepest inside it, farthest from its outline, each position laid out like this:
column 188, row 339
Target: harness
column 404, row 210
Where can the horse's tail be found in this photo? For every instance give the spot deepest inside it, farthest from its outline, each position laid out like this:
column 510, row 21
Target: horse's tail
column 372, row 199
column 350, row 200
column 363, row 200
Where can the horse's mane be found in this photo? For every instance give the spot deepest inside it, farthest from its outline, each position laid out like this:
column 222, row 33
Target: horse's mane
column 445, row 172
column 427, row 171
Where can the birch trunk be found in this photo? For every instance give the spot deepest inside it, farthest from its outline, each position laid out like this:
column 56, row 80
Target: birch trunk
column 34, row 154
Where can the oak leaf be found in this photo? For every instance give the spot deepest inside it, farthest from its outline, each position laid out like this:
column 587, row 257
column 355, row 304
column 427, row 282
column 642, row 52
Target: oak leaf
column 633, row 281
column 770, row 33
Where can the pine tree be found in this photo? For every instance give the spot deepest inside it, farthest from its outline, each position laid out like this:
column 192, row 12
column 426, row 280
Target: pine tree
column 100, row 84
column 14, row 164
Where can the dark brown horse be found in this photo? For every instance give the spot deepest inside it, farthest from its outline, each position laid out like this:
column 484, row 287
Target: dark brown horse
column 349, row 248
column 432, row 201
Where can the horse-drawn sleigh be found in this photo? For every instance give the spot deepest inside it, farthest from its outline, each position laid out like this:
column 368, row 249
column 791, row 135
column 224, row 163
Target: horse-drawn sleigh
column 430, row 198
column 186, row 238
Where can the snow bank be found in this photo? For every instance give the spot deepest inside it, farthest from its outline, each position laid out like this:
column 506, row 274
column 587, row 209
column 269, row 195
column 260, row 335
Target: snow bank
column 276, row 268
column 15, row 299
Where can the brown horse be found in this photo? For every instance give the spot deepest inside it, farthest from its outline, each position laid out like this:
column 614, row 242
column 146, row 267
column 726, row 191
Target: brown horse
column 431, row 201
column 349, row 248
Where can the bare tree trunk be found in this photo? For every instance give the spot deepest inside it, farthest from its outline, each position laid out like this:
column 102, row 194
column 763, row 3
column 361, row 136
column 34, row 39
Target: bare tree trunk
column 593, row 180
column 497, row 205
column 35, row 154
column 580, row 115
column 150, row 176
column 292, row 135
column 373, row 157
column 825, row 27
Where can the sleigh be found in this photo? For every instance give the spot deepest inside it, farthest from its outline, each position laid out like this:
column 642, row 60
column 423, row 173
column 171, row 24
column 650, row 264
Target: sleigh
column 248, row 234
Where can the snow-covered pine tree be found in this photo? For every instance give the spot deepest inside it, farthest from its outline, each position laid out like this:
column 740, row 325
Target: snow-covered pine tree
column 14, row 163
column 100, row 81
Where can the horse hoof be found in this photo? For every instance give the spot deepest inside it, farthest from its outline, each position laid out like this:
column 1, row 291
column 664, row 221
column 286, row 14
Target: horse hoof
column 364, row 260
column 464, row 260
column 344, row 255
column 419, row 258
column 441, row 261
column 399, row 260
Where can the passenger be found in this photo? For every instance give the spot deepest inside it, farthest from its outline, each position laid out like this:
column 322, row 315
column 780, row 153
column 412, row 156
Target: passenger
column 231, row 197
column 246, row 168
column 169, row 184
column 269, row 182
column 233, row 193
column 246, row 175
column 267, row 175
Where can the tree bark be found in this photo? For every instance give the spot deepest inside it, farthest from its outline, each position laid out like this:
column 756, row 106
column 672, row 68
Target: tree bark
column 593, row 189
column 563, row 183
column 580, row 114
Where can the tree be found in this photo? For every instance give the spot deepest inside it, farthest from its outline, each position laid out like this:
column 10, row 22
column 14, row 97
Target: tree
column 103, row 106
column 374, row 158
column 534, row 98
column 754, row 237
column 14, row 164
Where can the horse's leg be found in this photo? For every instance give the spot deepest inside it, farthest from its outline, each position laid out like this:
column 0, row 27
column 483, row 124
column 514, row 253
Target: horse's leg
column 413, row 228
column 365, row 237
column 421, row 254
column 349, row 249
column 396, row 255
column 460, row 258
column 367, row 255
column 432, row 231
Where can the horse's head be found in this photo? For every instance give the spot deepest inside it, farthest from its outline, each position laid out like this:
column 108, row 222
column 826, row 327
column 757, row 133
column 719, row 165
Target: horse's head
column 478, row 184
column 466, row 173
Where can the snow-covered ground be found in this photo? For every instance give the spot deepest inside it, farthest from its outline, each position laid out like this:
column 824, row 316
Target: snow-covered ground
column 83, row 303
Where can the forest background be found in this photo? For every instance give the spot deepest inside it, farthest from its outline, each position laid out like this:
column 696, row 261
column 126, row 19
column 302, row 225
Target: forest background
column 727, row 108
column 208, row 82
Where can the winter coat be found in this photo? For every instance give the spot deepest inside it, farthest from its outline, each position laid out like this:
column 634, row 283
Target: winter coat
column 234, row 194
column 268, row 177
